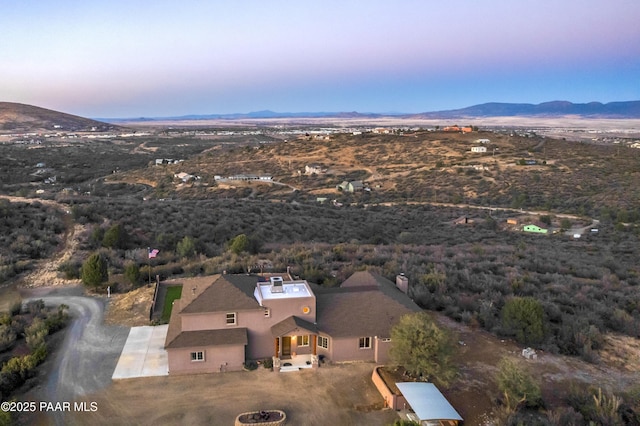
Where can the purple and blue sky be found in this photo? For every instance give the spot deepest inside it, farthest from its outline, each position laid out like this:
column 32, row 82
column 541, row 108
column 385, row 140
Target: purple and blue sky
column 133, row 58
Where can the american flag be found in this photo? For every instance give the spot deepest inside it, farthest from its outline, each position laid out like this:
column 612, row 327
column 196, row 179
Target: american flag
column 153, row 253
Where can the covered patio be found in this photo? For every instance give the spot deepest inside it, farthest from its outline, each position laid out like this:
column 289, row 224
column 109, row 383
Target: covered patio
column 295, row 344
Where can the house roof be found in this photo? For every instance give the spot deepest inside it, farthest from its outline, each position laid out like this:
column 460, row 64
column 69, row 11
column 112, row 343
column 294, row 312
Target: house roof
column 366, row 304
column 365, row 279
column 536, row 224
column 200, row 338
column 371, row 280
column 291, row 324
column 427, row 402
column 219, row 293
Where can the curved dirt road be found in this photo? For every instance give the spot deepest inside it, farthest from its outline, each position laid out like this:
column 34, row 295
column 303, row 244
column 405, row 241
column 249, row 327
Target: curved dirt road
column 86, row 359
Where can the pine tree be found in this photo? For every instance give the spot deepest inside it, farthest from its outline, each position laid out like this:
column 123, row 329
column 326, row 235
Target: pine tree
column 94, row 270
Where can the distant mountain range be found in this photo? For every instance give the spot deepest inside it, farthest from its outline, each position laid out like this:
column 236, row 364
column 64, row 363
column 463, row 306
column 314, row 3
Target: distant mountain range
column 630, row 109
column 265, row 114
column 15, row 117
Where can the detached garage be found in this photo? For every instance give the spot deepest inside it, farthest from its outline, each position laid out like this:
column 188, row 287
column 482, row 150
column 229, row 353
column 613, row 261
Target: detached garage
column 427, row 405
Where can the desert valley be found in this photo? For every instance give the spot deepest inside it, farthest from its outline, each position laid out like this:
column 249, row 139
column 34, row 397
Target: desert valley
column 512, row 233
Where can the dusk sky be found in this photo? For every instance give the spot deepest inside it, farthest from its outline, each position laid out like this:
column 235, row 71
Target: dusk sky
column 169, row 58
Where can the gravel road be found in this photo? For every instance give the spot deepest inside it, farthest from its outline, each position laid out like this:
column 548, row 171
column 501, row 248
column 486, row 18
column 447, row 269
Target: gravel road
column 87, row 357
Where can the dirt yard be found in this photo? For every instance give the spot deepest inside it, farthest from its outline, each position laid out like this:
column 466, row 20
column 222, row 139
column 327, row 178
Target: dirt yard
column 130, row 309
column 331, row 395
column 475, row 393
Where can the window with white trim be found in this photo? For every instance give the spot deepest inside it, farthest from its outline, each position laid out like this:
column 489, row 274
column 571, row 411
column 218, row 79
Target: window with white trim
column 267, row 312
column 231, row 318
column 197, row 356
column 365, row 343
column 303, row 340
column 323, row 342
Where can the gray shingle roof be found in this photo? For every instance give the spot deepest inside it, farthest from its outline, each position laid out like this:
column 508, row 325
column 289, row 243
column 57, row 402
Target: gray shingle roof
column 291, row 324
column 200, row 338
column 226, row 292
column 366, row 304
column 367, row 279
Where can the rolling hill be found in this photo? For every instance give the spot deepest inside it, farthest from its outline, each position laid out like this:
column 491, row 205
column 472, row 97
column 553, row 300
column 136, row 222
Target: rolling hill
column 15, row 117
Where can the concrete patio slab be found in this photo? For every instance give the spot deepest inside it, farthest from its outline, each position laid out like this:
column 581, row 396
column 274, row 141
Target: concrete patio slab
column 143, row 354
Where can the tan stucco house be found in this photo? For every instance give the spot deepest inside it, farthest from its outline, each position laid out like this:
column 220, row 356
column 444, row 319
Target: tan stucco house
column 221, row 321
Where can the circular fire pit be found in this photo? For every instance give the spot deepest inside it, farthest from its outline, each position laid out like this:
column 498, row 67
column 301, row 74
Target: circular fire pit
column 263, row 418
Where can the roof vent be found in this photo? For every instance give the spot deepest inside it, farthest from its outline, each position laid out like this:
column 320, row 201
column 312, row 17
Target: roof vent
column 276, row 285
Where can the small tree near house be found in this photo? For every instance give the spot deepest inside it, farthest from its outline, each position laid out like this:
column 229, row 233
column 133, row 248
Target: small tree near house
column 423, row 348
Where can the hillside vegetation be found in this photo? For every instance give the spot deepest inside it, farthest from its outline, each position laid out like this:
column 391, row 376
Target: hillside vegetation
column 555, row 292
column 576, row 178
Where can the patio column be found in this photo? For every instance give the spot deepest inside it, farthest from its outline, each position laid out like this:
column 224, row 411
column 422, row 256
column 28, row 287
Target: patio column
column 277, row 346
column 315, row 344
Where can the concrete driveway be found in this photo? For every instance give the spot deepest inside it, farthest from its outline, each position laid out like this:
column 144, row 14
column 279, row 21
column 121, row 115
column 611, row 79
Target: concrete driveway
column 143, row 354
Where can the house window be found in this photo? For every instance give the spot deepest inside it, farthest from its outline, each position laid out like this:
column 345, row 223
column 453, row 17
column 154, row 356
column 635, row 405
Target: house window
column 267, row 312
column 197, row 356
column 365, row 342
column 385, row 339
column 323, row 342
column 303, row 340
column 231, row 318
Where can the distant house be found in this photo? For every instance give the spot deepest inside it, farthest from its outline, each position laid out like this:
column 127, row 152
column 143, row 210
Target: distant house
column 223, row 320
column 161, row 161
column 184, row 177
column 478, row 149
column 463, row 220
column 512, row 221
column 482, row 141
column 535, row 229
column 244, row 177
column 353, row 186
column 316, row 169
column 458, row 129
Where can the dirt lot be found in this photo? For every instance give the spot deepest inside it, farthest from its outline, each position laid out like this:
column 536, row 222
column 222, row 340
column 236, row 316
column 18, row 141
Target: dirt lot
column 130, row 309
column 338, row 395
column 475, row 393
